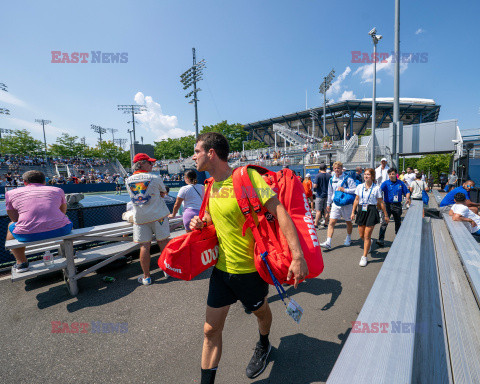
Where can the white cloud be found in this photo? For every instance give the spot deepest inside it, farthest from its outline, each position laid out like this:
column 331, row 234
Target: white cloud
column 155, row 121
column 366, row 71
column 337, row 84
column 348, row 95
column 6, row 97
column 51, row 131
column 419, row 31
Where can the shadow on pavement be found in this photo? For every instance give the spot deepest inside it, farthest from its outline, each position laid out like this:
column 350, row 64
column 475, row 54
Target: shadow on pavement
column 315, row 287
column 301, row 359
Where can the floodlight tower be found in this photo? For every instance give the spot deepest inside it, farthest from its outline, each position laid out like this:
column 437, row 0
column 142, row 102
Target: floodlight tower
column 112, row 130
column 44, row 122
column 4, row 111
column 324, row 87
column 192, row 76
column 375, row 38
column 134, row 109
column 120, row 142
column 98, row 129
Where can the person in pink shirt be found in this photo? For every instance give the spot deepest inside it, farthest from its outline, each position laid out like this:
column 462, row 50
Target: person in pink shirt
column 37, row 212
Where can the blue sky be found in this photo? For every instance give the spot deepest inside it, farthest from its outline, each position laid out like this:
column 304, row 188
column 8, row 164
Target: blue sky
column 262, row 56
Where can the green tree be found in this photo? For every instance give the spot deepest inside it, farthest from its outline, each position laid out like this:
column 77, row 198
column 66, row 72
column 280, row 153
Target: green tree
column 434, row 164
column 104, row 150
column 21, row 143
column 233, row 132
column 171, row 148
column 67, row 146
column 255, row 144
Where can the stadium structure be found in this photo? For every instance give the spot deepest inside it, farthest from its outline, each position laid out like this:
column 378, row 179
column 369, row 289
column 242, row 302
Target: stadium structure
column 350, row 116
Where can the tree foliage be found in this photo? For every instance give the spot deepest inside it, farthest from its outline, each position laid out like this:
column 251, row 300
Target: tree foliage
column 67, row 146
column 233, row 132
column 255, row 144
column 171, row 148
column 434, row 164
column 20, row 142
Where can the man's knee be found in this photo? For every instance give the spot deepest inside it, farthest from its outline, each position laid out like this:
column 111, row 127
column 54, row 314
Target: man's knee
column 211, row 330
column 474, row 209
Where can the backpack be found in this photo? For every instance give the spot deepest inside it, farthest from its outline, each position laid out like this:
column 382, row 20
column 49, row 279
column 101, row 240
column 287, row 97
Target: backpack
column 342, row 198
column 272, row 253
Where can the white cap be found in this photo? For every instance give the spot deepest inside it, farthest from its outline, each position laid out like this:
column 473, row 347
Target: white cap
column 307, row 175
column 383, row 159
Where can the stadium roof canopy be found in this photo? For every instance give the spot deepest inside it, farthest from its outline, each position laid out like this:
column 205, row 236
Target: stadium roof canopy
column 354, row 115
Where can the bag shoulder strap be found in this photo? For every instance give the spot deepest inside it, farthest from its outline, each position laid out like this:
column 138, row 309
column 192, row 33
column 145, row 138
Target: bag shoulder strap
column 195, row 189
column 206, row 197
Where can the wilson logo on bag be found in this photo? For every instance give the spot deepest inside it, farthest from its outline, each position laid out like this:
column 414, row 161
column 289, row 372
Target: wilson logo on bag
column 210, row 255
column 188, row 255
column 269, row 238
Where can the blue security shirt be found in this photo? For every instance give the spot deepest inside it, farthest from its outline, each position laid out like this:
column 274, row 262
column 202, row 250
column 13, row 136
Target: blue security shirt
column 449, row 200
column 391, row 189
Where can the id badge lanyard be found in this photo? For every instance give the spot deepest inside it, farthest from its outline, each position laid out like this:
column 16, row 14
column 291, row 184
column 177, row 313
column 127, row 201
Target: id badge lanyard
column 365, row 205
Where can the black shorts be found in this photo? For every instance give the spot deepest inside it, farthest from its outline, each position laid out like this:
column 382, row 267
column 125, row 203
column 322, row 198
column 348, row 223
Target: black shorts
column 226, row 288
column 368, row 218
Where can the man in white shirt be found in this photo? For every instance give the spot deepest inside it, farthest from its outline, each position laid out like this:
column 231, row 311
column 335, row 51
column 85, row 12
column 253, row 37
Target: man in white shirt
column 381, row 172
column 409, row 177
column 339, row 182
column 460, row 212
column 149, row 210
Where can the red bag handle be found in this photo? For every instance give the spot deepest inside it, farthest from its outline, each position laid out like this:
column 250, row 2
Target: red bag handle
column 206, row 197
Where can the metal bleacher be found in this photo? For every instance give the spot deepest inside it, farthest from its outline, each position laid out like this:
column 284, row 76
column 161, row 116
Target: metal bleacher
column 420, row 321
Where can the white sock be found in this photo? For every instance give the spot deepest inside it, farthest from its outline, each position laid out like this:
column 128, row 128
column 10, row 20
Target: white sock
column 329, row 240
column 349, row 237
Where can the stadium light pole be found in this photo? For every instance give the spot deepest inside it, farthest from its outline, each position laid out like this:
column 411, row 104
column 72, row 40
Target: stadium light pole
column 112, row 130
column 324, row 87
column 375, row 38
column 99, row 130
column 134, row 109
column 397, row 127
column 190, row 77
column 44, row 122
column 313, row 115
column 120, row 142
column 130, row 131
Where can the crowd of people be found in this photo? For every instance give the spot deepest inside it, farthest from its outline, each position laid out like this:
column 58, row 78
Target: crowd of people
column 368, row 197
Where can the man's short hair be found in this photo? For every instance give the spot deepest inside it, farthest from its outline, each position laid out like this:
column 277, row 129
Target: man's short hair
column 459, row 197
column 469, row 181
column 409, row 168
column 323, row 167
column 418, row 175
column 392, row 170
column 217, row 142
column 338, row 164
column 36, row 177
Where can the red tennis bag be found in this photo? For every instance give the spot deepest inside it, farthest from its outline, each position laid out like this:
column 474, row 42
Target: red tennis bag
column 269, row 239
column 188, row 255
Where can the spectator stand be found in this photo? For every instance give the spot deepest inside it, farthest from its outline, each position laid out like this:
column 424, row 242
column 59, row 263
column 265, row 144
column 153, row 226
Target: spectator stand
column 432, row 312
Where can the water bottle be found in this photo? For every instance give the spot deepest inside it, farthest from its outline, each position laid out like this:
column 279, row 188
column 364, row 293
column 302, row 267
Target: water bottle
column 47, row 259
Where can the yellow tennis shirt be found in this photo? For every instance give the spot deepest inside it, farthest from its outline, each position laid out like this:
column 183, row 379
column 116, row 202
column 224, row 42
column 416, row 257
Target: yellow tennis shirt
column 236, row 251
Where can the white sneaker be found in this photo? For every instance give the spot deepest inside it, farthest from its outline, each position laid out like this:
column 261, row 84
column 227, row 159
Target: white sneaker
column 322, row 222
column 347, row 242
column 363, row 261
column 326, row 245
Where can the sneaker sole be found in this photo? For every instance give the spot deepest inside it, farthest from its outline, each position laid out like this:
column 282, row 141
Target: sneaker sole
column 21, row 270
column 264, row 365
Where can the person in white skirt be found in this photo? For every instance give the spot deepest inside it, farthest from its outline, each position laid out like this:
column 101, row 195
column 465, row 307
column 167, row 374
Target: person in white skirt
column 339, row 182
column 369, row 197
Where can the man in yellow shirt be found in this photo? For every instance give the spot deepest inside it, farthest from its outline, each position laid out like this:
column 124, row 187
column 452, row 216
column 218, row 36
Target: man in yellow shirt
column 235, row 277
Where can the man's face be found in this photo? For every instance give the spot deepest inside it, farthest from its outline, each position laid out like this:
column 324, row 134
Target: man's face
column 338, row 170
column 409, row 170
column 384, row 163
column 392, row 176
column 200, row 157
column 469, row 185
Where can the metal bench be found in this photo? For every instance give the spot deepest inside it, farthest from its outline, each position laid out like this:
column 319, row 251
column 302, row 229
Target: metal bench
column 460, row 310
column 437, row 196
column 68, row 260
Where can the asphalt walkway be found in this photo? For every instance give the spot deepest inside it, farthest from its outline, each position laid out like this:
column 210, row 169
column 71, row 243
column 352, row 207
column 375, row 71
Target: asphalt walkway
column 161, row 341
